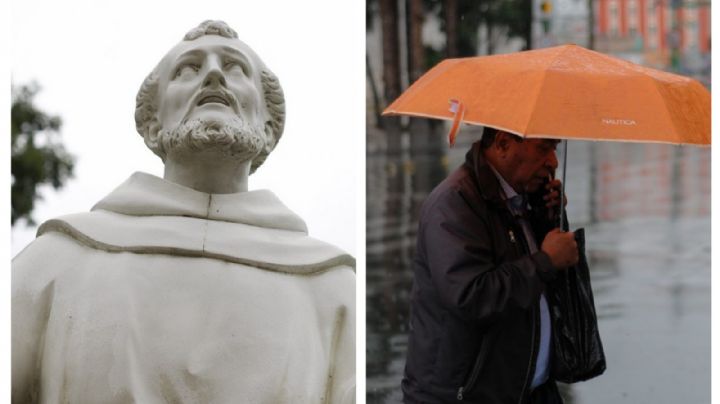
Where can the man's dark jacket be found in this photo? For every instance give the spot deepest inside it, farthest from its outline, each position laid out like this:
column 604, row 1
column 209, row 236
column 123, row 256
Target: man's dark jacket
column 475, row 320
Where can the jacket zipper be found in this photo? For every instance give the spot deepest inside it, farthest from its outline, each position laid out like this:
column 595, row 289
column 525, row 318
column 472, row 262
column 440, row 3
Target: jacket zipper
column 473, row 375
column 478, row 359
column 536, row 314
column 530, row 367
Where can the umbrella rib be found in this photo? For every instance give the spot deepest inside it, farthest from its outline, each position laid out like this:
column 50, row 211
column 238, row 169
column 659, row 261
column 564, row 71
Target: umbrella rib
column 551, row 64
column 540, row 88
column 534, row 103
column 667, row 109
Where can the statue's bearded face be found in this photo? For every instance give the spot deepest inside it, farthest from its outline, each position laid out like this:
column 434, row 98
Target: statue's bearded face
column 209, row 99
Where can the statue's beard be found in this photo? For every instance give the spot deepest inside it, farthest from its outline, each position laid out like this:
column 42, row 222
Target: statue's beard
column 235, row 139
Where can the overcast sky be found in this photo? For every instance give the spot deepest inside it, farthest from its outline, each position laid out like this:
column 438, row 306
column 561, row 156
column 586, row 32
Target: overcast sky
column 90, row 58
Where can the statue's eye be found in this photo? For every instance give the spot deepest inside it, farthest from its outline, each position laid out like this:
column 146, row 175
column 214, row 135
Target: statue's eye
column 232, row 65
column 186, row 70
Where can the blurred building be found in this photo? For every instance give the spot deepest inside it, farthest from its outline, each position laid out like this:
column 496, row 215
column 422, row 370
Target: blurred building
column 657, row 26
column 666, row 34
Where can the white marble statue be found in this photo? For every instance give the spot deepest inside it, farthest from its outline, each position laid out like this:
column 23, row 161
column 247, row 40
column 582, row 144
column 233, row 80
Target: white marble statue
column 189, row 288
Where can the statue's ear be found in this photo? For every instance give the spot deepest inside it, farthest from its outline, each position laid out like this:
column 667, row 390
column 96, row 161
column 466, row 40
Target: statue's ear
column 270, row 139
column 152, row 138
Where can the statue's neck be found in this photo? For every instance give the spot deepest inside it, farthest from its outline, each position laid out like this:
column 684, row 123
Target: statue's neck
column 209, row 174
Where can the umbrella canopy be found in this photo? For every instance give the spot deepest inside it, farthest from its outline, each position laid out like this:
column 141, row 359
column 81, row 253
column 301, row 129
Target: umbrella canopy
column 563, row 92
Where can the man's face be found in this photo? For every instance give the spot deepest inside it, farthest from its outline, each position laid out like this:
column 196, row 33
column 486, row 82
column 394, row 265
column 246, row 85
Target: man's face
column 211, row 78
column 529, row 163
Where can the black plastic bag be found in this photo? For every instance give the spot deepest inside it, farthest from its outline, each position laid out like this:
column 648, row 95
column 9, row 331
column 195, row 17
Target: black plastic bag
column 578, row 351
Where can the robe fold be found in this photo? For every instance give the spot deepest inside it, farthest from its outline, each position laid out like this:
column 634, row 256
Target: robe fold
column 163, row 294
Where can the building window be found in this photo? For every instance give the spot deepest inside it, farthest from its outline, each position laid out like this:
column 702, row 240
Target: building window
column 652, row 37
column 632, row 15
column 690, row 14
column 614, row 19
column 691, row 34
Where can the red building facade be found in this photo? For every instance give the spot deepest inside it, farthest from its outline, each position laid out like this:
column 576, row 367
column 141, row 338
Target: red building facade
column 655, row 28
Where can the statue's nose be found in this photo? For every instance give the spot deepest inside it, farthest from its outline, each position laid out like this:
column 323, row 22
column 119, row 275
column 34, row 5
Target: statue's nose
column 214, row 76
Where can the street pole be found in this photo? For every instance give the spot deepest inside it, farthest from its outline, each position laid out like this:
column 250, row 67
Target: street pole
column 529, row 4
column 591, row 25
column 675, row 36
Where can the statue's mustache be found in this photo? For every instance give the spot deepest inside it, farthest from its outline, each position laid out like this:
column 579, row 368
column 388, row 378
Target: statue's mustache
column 205, row 93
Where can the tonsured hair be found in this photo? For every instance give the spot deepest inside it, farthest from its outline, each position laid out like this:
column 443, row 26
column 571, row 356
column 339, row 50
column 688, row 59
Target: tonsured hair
column 148, row 125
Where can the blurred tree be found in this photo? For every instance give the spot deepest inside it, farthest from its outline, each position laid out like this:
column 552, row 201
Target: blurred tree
column 451, row 19
column 389, row 15
column 461, row 19
column 516, row 16
column 414, row 21
column 37, row 156
column 371, row 10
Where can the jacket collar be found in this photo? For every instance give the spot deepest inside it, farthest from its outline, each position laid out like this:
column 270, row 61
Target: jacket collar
column 485, row 179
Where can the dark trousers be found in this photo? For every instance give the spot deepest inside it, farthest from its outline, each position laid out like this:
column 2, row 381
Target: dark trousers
column 546, row 394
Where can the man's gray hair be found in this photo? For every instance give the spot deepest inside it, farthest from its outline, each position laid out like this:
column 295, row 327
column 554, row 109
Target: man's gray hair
column 148, row 125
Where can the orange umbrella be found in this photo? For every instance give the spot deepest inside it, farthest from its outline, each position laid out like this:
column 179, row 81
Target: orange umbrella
column 563, row 92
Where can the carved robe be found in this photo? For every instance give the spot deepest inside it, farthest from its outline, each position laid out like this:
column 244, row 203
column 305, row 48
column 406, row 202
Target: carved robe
column 162, row 294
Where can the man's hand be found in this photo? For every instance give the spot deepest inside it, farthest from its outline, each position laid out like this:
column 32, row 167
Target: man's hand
column 552, row 198
column 561, row 247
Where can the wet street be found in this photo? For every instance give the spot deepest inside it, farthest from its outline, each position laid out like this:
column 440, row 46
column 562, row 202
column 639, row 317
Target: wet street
column 650, row 270
column 652, row 288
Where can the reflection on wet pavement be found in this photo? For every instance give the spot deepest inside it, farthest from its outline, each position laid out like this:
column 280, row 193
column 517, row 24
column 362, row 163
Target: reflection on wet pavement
column 653, row 302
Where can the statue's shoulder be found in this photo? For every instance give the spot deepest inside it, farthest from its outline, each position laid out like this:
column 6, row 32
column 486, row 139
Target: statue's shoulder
column 45, row 259
column 46, row 245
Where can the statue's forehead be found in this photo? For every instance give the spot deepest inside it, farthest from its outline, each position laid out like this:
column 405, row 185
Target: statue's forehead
column 210, row 43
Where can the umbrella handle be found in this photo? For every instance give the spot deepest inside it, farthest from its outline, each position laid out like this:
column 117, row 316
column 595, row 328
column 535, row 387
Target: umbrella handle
column 561, row 209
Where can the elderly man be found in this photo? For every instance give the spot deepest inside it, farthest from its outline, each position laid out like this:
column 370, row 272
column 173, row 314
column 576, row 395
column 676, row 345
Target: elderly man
column 480, row 324
column 188, row 289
